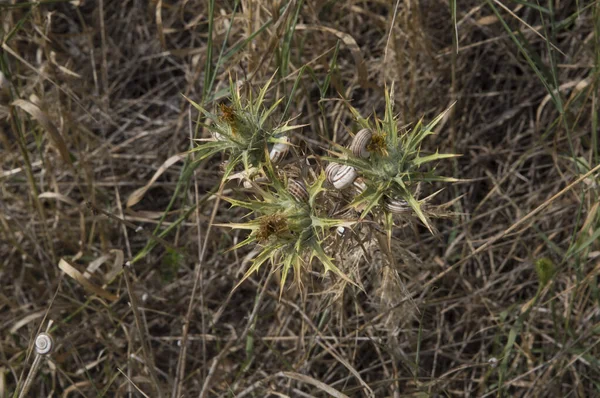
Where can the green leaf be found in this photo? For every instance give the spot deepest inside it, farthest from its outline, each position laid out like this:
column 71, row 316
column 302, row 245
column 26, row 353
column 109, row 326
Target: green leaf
column 233, row 162
column 317, row 250
column 292, row 95
column 262, row 93
column 389, row 121
column 201, row 109
column 289, row 259
column 209, row 43
column 418, row 134
column 416, row 206
column 247, row 241
column 373, row 200
column 316, row 188
column 322, row 223
column 585, row 244
column 267, row 253
column 418, row 161
column 430, row 177
column 249, row 225
column 269, row 111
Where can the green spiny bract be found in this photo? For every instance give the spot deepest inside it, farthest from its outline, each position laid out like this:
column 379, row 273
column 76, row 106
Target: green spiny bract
column 288, row 229
column 243, row 130
column 393, row 166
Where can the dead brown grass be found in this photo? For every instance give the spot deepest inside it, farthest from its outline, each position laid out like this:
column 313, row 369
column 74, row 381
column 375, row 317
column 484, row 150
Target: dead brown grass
column 99, row 112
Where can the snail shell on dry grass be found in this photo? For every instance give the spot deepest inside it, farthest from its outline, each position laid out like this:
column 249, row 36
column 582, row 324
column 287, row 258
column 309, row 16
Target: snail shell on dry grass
column 279, row 150
column 44, row 344
column 341, row 176
column 397, row 206
column 360, row 142
column 298, row 190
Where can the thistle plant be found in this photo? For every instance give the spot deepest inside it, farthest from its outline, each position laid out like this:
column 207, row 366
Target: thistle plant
column 290, row 219
column 289, row 226
column 242, row 130
column 387, row 165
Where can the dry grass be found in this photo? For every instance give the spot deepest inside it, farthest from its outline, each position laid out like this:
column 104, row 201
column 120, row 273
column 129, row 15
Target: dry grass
column 461, row 313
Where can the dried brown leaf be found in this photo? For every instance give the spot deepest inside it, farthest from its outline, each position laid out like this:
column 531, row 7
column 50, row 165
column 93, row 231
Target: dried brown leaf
column 25, row 320
column 138, row 194
column 58, row 196
column 47, row 124
column 78, row 276
column 117, row 265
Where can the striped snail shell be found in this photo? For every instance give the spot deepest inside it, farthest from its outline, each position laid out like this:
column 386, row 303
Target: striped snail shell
column 279, row 150
column 331, row 170
column 397, row 206
column 360, row 142
column 44, row 344
column 341, row 176
column 360, row 185
column 298, row 190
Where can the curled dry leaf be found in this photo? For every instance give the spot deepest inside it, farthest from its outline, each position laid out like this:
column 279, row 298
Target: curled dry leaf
column 114, row 270
column 94, row 265
column 117, row 265
column 25, row 320
column 139, row 193
column 78, row 276
column 47, row 124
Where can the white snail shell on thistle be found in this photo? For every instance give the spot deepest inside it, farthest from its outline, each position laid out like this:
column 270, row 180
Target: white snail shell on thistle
column 298, row 190
column 360, row 142
column 341, row 176
column 397, row 206
column 279, row 150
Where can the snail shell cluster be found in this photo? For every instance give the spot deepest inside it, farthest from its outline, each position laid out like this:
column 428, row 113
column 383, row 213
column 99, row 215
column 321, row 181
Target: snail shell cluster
column 279, row 150
column 298, row 190
column 44, row 344
column 342, row 176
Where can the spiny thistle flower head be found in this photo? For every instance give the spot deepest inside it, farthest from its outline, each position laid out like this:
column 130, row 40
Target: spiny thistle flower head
column 390, row 163
column 288, row 226
column 243, row 129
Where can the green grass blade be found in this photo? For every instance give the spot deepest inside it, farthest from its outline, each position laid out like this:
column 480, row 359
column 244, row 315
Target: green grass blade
column 209, row 44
